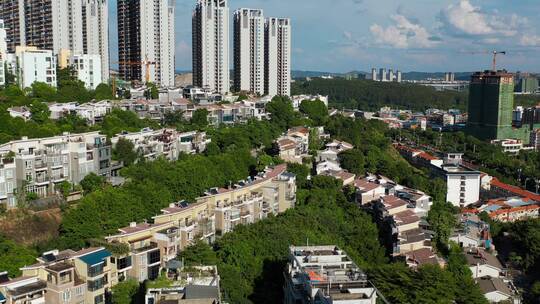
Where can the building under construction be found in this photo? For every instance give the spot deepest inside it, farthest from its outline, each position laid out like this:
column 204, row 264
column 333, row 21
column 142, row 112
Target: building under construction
column 491, row 102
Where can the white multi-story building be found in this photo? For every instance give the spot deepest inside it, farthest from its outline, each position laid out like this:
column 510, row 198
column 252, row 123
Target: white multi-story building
column 249, row 50
column 30, row 65
column 40, row 165
column 278, row 56
column 96, row 32
column 211, row 45
column 88, row 68
column 166, row 143
column 146, row 37
column 78, row 26
column 3, row 52
column 325, row 274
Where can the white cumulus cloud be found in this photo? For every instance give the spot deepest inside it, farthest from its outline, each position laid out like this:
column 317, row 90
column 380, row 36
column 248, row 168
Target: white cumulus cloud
column 464, row 18
column 403, row 34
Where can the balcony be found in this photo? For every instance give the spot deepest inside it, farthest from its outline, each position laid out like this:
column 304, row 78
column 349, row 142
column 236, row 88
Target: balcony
column 145, row 248
column 96, row 270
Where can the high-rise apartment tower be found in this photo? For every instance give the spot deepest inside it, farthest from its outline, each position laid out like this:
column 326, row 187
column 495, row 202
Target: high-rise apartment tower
column 278, row 56
column 79, row 26
column 146, row 40
column 249, row 50
column 211, row 45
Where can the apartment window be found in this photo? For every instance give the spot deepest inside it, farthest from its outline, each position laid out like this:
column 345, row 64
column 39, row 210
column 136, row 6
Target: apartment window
column 65, row 277
column 99, row 299
column 78, row 291
column 66, row 295
column 9, row 173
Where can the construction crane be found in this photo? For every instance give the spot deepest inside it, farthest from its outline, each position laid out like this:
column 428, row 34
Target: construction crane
column 147, row 63
column 494, row 53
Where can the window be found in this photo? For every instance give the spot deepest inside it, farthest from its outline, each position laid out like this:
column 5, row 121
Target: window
column 66, row 295
column 99, row 299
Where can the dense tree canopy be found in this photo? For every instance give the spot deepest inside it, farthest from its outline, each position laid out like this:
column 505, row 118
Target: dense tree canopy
column 371, row 95
column 14, row 256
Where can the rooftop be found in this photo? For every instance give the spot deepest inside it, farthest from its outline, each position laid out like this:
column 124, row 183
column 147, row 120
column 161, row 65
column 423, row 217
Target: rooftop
column 494, row 284
column 479, row 256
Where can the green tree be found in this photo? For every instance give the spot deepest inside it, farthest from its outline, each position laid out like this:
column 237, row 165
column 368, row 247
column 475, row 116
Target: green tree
column 198, row 254
column 200, row 119
column 92, row 182
column 65, row 188
column 14, row 256
column 174, row 118
column 353, row 161
column 281, row 112
column 124, row 151
column 316, row 110
column 103, row 92
column 153, row 92
column 40, row 112
column 125, row 292
column 43, row 91
column 442, row 219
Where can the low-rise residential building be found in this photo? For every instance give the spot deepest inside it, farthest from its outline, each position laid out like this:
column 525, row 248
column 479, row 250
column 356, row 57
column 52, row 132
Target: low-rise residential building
column 500, row 189
column 472, row 232
column 167, row 143
column 40, row 165
column 22, row 112
column 510, row 209
column 497, row 290
column 423, row 256
column 463, row 183
column 199, row 284
column 343, row 175
column 294, row 145
column 62, row 277
column 297, row 99
column 22, row 290
column 325, row 274
column 152, row 245
column 483, row 264
column 511, row 146
column 368, row 190
column 143, row 261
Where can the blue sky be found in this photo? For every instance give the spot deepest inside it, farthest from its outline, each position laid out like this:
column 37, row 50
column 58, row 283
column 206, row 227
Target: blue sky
column 412, row 35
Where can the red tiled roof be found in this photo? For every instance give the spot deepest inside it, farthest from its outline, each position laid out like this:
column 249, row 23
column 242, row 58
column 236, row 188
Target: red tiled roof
column 512, row 210
column 514, row 190
column 286, row 144
column 427, row 156
column 391, row 201
column 365, row 185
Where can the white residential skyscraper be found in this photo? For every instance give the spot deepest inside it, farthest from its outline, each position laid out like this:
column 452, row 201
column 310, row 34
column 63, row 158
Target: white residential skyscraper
column 96, row 32
column 249, row 50
column 211, row 45
column 3, row 52
column 146, row 40
column 278, row 56
column 79, row 26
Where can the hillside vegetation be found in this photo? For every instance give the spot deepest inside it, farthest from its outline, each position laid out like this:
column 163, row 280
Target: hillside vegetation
column 370, row 95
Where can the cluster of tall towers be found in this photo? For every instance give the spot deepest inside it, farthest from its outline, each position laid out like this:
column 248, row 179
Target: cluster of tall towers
column 146, row 40
column 79, row 26
column 262, row 50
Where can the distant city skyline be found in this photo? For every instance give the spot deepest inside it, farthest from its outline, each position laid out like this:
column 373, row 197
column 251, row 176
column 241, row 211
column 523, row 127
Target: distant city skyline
column 419, row 35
